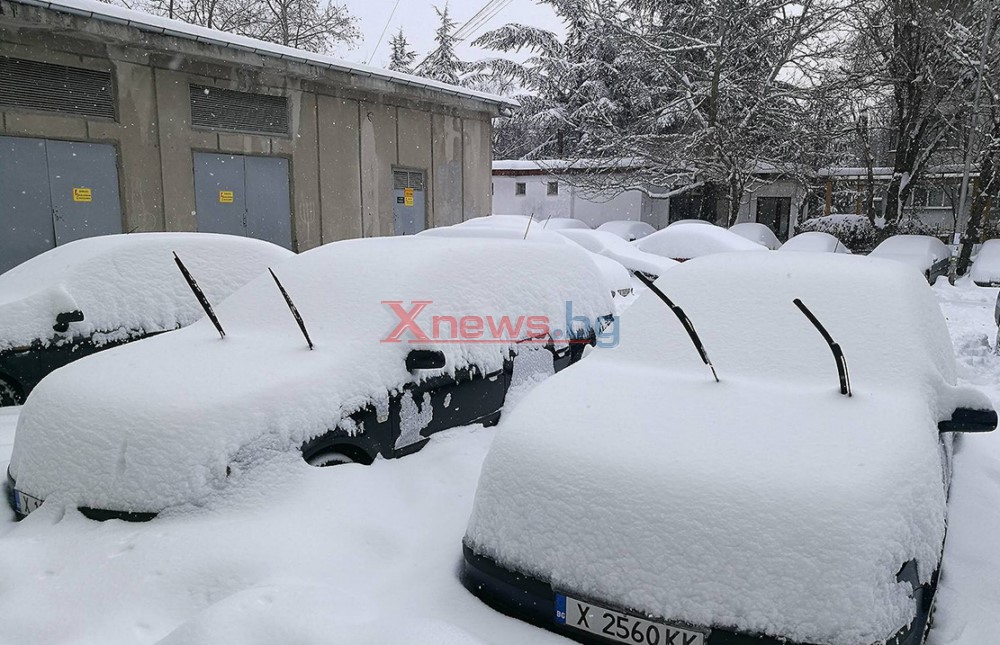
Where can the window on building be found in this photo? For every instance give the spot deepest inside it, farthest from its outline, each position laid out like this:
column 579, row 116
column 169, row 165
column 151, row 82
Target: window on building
column 553, row 188
column 520, row 188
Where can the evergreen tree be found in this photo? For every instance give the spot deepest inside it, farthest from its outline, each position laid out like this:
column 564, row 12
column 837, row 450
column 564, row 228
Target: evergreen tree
column 401, row 57
column 443, row 63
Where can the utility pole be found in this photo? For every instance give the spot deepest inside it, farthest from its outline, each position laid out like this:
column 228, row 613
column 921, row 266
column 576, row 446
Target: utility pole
column 965, row 238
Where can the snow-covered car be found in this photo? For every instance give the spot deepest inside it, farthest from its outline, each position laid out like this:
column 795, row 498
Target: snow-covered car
column 682, row 243
column 925, row 253
column 611, row 246
column 562, row 223
column 628, row 230
column 757, row 232
column 689, row 220
column 789, row 501
column 616, row 277
column 815, row 242
column 500, row 221
column 986, row 269
column 100, row 292
column 399, row 338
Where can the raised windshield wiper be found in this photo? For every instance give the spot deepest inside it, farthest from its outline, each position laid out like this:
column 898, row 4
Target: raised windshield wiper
column 292, row 308
column 200, row 295
column 838, row 353
column 685, row 321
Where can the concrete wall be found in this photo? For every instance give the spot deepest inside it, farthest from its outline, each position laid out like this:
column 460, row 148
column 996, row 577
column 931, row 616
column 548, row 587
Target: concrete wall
column 347, row 133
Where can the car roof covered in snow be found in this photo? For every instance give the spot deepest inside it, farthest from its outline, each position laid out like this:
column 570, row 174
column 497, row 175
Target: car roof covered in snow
column 560, row 223
column 986, row 268
column 815, row 242
column 757, row 232
column 767, row 502
column 627, row 229
column 185, row 405
column 920, row 251
column 126, row 282
column 611, row 246
column 500, row 221
column 690, row 241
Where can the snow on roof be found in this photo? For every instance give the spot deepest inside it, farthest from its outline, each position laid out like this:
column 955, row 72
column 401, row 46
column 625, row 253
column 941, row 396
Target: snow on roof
column 627, row 229
column 689, row 241
column 562, row 165
column 768, row 501
column 815, row 242
column 126, row 283
column 986, row 268
column 920, row 251
column 156, row 423
column 611, row 246
column 178, row 29
column 756, row 232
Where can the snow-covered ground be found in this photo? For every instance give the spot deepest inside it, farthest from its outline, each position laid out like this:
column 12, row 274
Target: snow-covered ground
column 357, row 554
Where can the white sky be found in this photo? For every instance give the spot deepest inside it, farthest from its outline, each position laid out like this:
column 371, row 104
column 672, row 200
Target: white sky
column 418, row 20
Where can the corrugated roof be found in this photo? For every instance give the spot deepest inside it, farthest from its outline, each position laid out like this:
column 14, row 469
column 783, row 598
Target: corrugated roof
column 176, row 28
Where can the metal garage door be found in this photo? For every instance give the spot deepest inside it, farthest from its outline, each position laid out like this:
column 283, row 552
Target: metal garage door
column 53, row 192
column 242, row 195
column 409, row 214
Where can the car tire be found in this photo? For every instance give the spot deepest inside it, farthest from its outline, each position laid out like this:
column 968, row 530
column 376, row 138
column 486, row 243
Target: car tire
column 329, row 458
column 10, row 394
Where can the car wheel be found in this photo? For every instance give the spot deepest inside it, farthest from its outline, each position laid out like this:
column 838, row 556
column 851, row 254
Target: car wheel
column 9, row 394
column 329, row 458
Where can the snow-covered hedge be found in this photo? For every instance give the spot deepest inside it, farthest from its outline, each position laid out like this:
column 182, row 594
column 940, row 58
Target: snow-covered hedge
column 855, row 231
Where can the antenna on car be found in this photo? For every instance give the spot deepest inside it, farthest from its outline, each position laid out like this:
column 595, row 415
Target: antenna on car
column 681, row 316
column 531, row 218
column 838, row 353
column 200, row 295
column 292, row 308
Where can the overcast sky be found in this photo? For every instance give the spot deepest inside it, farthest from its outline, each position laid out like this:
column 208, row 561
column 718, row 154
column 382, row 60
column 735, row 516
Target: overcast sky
column 418, row 20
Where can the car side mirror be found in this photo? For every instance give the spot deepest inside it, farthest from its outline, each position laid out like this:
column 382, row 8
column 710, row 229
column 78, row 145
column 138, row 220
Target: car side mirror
column 969, row 420
column 64, row 319
column 424, row 359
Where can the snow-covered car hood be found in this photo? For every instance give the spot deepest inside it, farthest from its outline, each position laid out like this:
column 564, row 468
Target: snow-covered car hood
column 767, row 502
column 126, row 282
column 156, row 423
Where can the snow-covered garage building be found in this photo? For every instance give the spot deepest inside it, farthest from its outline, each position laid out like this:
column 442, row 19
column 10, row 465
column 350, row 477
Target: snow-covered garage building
column 117, row 121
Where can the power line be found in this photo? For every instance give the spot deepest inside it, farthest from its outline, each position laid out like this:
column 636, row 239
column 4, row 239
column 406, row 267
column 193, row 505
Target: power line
column 384, row 29
column 476, row 22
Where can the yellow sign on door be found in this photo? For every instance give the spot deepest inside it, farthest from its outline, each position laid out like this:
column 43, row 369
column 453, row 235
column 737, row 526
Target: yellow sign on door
column 226, row 197
column 81, row 194
column 408, row 197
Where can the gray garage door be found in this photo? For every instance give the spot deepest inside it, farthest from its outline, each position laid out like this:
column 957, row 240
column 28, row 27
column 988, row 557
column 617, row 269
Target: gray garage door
column 408, row 210
column 53, row 192
column 242, row 195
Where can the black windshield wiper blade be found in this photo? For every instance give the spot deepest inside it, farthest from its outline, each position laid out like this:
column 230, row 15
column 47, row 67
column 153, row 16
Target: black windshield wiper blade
column 292, row 308
column 200, row 295
column 685, row 321
column 838, row 353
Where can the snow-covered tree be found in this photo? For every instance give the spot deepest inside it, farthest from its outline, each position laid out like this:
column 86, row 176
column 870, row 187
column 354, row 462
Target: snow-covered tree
column 443, row 63
column 401, row 57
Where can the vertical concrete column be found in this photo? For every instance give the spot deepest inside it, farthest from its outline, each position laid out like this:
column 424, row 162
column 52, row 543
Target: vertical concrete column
column 448, row 167
column 340, row 168
column 477, row 168
column 378, row 156
column 303, row 149
column 139, row 148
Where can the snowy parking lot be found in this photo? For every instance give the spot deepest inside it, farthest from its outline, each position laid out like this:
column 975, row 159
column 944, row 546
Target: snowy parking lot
column 369, row 554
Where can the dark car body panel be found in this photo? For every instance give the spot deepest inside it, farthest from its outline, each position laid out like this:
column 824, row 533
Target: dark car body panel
column 534, row 600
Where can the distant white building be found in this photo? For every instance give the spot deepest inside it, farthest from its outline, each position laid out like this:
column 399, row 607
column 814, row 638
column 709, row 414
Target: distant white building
column 545, row 188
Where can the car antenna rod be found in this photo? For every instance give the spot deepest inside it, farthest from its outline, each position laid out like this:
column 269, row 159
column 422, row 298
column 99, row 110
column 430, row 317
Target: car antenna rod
column 200, row 295
column 838, row 353
column 681, row 316
column 292, row 308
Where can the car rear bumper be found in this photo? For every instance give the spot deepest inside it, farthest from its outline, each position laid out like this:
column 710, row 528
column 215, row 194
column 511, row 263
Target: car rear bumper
column 534, row 601
column 100, row 515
